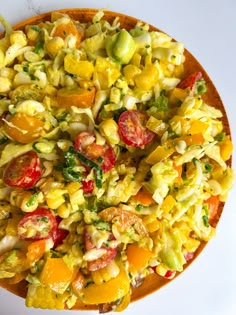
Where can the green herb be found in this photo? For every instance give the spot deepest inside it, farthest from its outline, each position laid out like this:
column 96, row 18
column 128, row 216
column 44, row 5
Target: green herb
column 70, row 157
column 100, row 159
column 26, row 69
column 195, row 161
column 43, row 219
column 35, row 28
column 205, row 220
column 71, row 162
column 32, row 200
column 92, row 164
column 139, row 207
column 34, row 146
column 118, row 112
column 70, row 175
column 161, row 104
column 207, row 168
column 220, row 137
column 39, row 46
column 62, row 117
column 102, row 225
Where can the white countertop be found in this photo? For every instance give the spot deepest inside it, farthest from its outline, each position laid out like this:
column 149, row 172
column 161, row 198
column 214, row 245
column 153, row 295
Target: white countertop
column 208, row 30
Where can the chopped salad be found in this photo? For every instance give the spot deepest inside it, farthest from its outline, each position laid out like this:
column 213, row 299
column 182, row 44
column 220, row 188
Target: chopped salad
column 112, row 164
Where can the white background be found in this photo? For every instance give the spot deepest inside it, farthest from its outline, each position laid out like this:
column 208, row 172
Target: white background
column 208, row 29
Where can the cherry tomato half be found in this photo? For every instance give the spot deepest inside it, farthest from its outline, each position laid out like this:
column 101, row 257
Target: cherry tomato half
column 102, row 261
column 58, row 234
column 37, row 225
column 23, row 171
column 24, row 128
column 103, row 155
column 132, row 128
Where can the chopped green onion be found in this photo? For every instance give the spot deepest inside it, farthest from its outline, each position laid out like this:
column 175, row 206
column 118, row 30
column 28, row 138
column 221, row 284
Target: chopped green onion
column 205, row 220
column 32, row 200
column 200, row 87
column 220, row 137
column 39, row 46
column 35, row 28
column 70, row 175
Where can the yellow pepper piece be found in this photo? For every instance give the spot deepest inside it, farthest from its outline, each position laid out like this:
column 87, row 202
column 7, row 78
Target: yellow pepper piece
column 151, row 223
column 138, row 257
column 168, row 203
column 177, row 95
column 130, row 71
column 147, row 78
column 106, row 72
column 56, row 274
column 106, row 292
column 124, row 303
column 159, row 154
column 226, row 148
column 197, row 126
column 82, row 68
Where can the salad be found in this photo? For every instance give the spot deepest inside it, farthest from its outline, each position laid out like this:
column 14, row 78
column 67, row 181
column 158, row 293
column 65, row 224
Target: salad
column 112, row 166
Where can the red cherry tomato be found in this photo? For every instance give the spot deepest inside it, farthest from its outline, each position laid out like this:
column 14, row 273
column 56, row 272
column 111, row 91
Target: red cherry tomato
column 190, row 81
column 58, row 234
column 23, row 171
column 102, row 261
column 132, row 128
column 37, row 225
column 103, row 155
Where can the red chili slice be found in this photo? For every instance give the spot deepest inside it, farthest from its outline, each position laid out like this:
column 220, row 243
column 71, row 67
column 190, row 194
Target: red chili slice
column 87, row 186
column 37, row 225
column 23, row 171
column 190, row 81
column 103, row 155
column 132, row 128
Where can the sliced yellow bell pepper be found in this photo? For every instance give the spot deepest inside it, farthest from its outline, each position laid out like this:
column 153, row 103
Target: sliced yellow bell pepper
column 56, row 275
column 82, row 68
column 137, row 257
column 168, row 203
column 159, row 154
column 106, row 72
column 109, row 291
column 197, row 126
column 226, row 148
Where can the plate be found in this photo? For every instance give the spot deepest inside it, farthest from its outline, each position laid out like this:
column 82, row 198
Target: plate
column 153, row 282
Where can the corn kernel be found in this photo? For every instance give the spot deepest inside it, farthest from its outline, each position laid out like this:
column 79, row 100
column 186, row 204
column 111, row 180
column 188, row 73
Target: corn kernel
column 5, row 85
column 109, row 129
column 18, row 37
column 54, row 45
column 63, row 211
column 73, row 187
column 54, row 203
column 31, row 33
column 136, row 59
